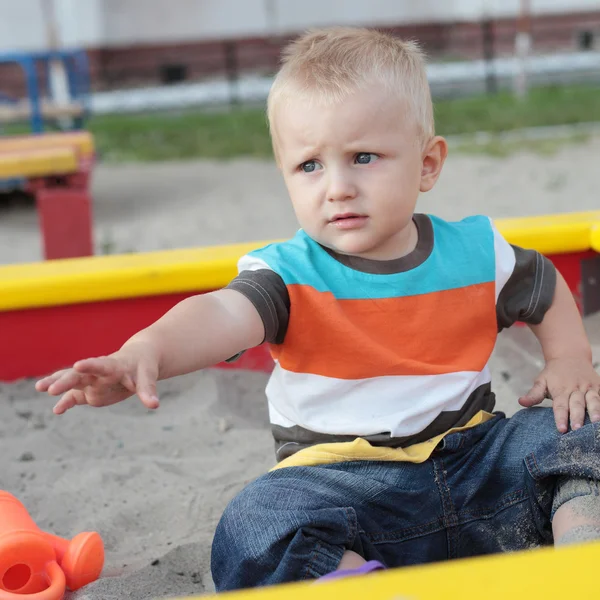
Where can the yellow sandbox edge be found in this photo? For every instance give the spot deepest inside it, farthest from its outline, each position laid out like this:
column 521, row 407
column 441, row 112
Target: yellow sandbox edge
column 552, row 234
column 74, row 281
column 80, row 280
column 542, row 573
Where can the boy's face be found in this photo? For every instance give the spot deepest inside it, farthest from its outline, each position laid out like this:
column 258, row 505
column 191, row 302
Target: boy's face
column 354, row 171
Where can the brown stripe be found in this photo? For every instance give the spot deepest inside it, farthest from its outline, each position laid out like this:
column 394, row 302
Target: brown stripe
column 289, row 440
column 417, row 257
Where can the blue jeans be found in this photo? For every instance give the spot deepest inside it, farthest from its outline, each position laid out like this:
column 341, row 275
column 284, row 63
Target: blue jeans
column 485, row 490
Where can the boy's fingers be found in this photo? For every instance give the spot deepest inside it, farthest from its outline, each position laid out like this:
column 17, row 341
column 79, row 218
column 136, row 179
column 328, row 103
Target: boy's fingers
column 560, row 404
column 68, row 380
column 102, row 366
column 146, row 385
column 69, row 400
column 577, row 409
column 43, row 384
column 535, row 395
column 592, row 399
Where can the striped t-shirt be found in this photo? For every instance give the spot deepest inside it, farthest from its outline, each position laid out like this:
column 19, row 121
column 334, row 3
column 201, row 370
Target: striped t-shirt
column 392, row 352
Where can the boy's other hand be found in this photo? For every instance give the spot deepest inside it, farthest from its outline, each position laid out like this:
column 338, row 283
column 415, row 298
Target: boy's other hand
column 106, row 380
column 573, row 385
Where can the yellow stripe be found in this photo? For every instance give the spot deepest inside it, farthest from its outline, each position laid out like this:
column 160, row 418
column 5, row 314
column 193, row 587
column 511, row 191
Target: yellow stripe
column 124, row 276
column 567, row 573
column 80, row 280
column 81, row 141
column 37, row 163
column 360, row 449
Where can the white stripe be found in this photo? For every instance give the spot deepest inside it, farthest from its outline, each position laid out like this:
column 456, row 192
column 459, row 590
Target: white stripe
column 505, row 259
column 402, row 405
column 251, row 263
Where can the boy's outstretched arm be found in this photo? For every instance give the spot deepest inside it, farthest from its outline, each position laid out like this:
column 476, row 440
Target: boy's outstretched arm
column 202, row 331
column 198, row 332
column 568, row 378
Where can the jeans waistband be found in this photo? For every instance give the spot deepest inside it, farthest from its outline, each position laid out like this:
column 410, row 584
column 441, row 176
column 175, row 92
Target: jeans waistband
column 468, row 437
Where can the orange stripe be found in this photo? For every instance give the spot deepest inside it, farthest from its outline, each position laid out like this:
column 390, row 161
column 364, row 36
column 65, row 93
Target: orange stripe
column 428, row 334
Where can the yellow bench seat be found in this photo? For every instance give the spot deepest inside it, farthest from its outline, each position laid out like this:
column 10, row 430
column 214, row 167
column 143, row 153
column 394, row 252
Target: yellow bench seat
column 38, row 163
column 81, row 141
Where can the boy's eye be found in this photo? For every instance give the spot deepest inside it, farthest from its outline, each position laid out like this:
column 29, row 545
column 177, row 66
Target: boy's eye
column 309, row 166
column 365, row 158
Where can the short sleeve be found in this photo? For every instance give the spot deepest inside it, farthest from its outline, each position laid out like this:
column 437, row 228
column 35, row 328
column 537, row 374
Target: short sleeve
column 525, row 284
column 268, row 293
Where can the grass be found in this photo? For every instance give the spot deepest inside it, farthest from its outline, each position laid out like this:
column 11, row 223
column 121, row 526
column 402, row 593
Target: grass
column 503, row 112
column 502, row 148
column 243, row 131
column 168, row 136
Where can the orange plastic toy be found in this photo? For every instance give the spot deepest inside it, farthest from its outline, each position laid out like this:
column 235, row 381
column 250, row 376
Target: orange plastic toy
column 39, row 565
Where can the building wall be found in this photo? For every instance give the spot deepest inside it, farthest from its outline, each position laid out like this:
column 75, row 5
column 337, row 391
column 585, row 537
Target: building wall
column 22, row 25
column 114, row 23
column 148, row 63
column 148, row 42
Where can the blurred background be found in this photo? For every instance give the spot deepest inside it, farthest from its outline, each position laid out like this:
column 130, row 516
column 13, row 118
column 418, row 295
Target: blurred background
column 173, row 94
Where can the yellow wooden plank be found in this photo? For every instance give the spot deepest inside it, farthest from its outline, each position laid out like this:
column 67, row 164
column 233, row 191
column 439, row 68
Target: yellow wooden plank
column 82, row 141
column 79, row 280
column 200, row 269
column 38, row 163
column 551, row 234
column 564, row 574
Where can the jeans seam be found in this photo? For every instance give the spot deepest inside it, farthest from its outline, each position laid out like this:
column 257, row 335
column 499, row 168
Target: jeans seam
column 467, row 517
column 532, row 465
column 406, row 533
column 450, row 519
column 452, row 507
column 352, row 524
column 320, row 548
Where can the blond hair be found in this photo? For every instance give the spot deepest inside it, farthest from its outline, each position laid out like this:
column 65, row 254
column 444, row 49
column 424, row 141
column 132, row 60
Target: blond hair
column 327, row 65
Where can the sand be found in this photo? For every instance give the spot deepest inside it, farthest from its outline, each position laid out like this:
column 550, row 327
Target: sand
column 155, row 483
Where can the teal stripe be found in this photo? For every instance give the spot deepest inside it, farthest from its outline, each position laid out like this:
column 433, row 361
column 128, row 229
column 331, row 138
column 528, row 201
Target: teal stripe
column 463, row 255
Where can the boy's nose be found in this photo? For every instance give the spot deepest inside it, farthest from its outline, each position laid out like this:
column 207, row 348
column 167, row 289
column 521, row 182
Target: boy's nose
column 340, row 188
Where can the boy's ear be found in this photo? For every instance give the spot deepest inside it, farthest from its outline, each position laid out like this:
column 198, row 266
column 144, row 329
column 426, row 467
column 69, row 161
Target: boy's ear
column 434, row 156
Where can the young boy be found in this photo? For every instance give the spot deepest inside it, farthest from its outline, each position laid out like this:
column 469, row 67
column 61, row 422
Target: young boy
column 381, row 322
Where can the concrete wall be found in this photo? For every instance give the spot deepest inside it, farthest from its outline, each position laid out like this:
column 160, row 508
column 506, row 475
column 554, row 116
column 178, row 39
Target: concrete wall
column 116, row 23
column 22, row 25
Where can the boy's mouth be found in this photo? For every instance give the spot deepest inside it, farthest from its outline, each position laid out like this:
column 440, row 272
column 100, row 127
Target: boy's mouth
column 348, row 220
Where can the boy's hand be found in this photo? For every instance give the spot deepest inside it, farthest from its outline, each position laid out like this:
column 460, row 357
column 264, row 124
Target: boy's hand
column 106, row 380
column 573, row 385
